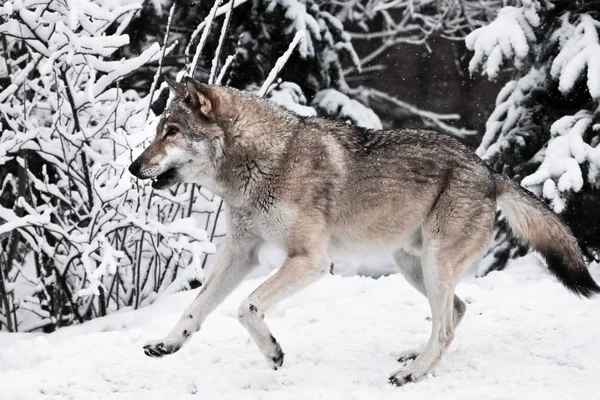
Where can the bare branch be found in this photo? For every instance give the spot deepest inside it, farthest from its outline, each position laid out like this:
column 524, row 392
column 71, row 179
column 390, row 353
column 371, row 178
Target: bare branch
column 280, row 63
column 428, row 117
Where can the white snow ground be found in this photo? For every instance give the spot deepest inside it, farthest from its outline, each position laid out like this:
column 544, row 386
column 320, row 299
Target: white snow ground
column 524, row 336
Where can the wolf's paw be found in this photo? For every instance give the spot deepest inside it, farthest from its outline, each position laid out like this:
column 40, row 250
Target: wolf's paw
column 400, row 380
column 159, row 348
column 407, row 356
column 274, row 355
column 404, row 376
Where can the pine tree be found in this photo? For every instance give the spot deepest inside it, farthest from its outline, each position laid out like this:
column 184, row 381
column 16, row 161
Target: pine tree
column 544, row 131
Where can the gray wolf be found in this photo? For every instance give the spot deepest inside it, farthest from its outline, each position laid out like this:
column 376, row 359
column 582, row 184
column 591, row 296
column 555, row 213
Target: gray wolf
column 321, row 190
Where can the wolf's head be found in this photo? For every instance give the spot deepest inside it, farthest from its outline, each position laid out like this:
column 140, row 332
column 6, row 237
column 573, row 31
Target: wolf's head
column 188, row 138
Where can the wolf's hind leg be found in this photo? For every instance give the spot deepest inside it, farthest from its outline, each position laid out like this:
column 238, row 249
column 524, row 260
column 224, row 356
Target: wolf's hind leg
column 454, row 234
column 440, row 293
column 460, row 307
column 409, row 266
column 411, row 269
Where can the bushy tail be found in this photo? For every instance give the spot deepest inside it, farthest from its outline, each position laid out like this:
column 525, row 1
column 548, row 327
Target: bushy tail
column 531, row 221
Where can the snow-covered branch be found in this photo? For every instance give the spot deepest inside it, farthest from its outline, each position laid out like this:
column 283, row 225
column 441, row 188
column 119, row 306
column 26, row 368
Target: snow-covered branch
column 507, row 39
column 429, row 118
column 280, row 63
column 580, row 53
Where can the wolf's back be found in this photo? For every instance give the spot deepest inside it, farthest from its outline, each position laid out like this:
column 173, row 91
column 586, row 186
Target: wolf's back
column 531, row 221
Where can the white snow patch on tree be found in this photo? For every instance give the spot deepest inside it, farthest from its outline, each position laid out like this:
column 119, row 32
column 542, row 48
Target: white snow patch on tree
column 290, row 96
column 336, row 104
column 506, row 39
column 560, row 170
column 302, row 21
column 508, row 112
column 580, row 52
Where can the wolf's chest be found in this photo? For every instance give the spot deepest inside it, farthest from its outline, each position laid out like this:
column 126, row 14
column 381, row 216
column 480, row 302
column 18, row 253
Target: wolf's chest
column 271, row 226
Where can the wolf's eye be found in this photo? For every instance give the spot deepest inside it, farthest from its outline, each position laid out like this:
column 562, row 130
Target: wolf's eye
column 171, row 131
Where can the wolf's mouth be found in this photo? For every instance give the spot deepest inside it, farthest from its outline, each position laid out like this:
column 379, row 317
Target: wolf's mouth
column 166, row 179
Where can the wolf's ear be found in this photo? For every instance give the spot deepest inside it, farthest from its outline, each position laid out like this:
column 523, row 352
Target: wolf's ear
column 199, row 96
column 177, row 88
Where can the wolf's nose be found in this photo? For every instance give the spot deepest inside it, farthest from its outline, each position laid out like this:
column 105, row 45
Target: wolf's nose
column 134, row 168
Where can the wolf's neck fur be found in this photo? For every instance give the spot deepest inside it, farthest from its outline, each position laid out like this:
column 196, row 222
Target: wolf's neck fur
column 256, row 144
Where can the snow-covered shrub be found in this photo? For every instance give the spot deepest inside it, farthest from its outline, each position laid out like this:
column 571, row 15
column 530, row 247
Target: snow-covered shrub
column 544, row 131
column 78, row 235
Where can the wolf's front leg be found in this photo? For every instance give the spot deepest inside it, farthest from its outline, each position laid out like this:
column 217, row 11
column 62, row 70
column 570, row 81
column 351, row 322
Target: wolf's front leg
column 233, row 264
column 297, row 272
